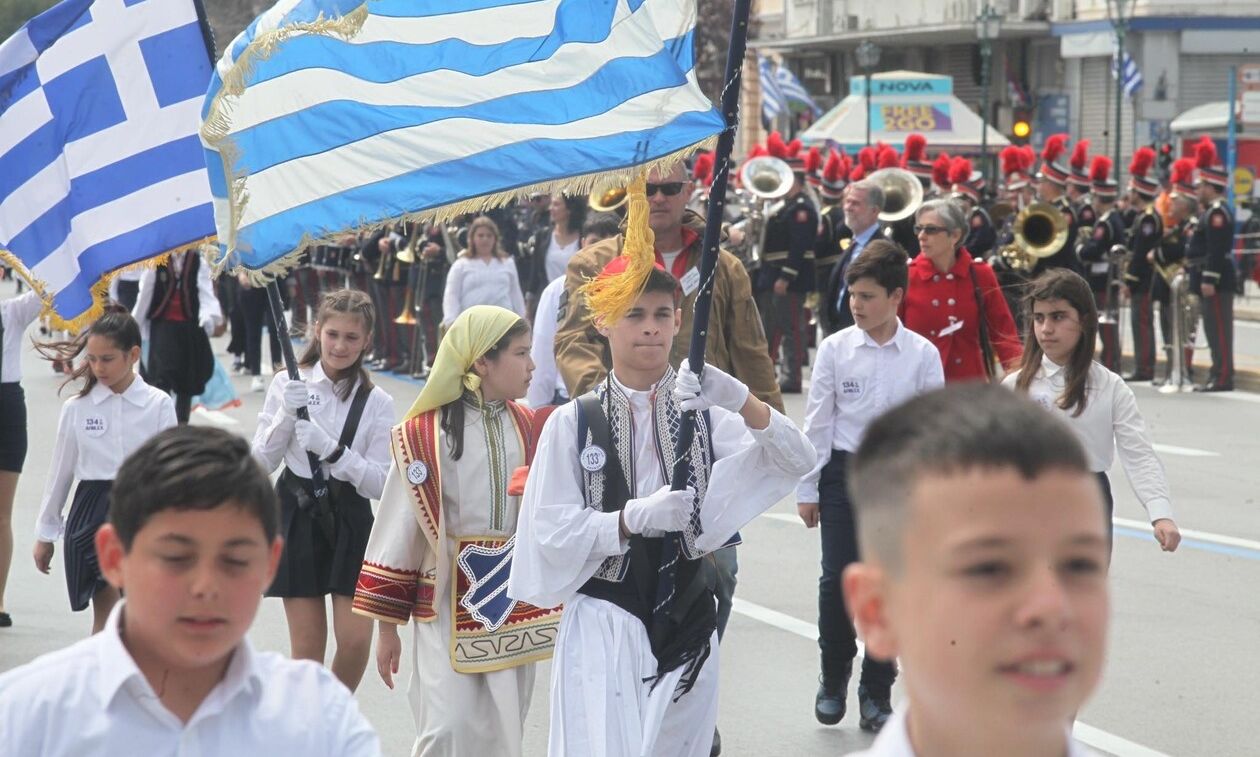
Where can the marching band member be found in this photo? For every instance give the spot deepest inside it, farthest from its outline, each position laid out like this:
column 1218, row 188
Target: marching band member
column 830, row 246
column 1214, row 278
column 967, row 189
column 1079, row 185
column 1095, row 254
column 1051, row 185
column 1145, row 234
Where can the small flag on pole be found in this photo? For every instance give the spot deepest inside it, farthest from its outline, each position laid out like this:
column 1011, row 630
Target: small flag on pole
column 1128, row 74
column 794, row 91
column 773, row 101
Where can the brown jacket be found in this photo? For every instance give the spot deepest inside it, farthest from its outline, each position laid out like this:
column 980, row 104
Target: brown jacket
column 736, row 343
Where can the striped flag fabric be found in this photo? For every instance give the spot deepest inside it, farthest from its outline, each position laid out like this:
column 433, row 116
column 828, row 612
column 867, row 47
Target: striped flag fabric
column 331, row 115
column 773, row 101
column 100, row 163
column 1128, row 74
column 794, row 91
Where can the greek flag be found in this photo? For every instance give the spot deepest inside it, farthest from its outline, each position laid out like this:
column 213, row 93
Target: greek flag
column 100, row 164
column 330, row 115
column 773, row 101
column 794, row 91
column 1128, row 74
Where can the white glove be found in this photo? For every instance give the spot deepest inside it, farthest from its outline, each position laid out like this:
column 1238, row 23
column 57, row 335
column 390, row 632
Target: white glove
column 663, row 510
column 715, row 389
column 313, row 438
column 296, row 395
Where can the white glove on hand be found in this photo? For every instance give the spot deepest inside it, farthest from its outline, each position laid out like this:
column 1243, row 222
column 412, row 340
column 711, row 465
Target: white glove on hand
column 313, row 438
column 296, row 395
column 663, row 510
column 715, row 389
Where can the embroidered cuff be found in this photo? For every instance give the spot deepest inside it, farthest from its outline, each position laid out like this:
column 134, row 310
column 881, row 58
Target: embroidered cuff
column 385, row 593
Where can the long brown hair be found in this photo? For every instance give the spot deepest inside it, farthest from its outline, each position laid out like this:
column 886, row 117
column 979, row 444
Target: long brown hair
column 1061, row 284
column 116, row 324
column 484, row 222
column 453, row 412
column 343, row 302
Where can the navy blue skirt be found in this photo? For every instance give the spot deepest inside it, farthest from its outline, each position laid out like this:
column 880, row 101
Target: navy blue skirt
column 87, row 515
column 12, row 427
column 316, row 563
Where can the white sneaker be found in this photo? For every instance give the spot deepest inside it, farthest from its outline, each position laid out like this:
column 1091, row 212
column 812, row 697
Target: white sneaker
column 256, row 384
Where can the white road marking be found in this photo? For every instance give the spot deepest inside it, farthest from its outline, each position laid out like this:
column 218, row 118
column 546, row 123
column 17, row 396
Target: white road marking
column 1189, row 533
column 1172, row 449
column 1240, row 323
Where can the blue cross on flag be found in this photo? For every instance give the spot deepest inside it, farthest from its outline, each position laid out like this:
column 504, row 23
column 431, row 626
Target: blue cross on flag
column 100, row 163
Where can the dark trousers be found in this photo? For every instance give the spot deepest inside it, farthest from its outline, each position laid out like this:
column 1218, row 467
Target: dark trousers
column 1142, row 321
column 783, row 318
column 727, row 565
column 1109, row 333
column 837, row 639
column 127, row 293
column 257, row 311
column 1218, row 326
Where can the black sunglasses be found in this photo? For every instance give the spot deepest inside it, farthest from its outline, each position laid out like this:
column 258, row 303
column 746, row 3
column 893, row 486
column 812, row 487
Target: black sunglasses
column 669, row 189
column 928, row 229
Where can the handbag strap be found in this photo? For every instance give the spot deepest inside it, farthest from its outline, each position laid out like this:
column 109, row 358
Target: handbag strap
column 986, row 347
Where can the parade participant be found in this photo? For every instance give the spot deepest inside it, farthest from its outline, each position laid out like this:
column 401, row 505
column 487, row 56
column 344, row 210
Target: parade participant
column 1051, row 185
column 16, row 315
column 1017, row 193
column 1170, row 259
column 940, row 175
column 482, row 275
column 390, row 283
column 858, row 373
column 1095, row 252
column 553, row 246
column 786, row 275
column 914, row 160
column 953, row 299
column 1079, row 186
column 192, row 541
column 113, row 414
column 1144, row 237
column 255, row 308
column 981, row 533
column 863, row 202
column 900, row 231
column 830, row 247
column 1059, row 372
column 348, row 432
column 443, row 534
column 966, row 189
column 598, row 502
column 178, row 312
column 1214, row 277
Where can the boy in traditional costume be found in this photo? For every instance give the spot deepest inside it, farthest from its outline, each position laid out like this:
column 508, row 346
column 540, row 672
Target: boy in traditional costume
column 442, row 542
column 598, row 506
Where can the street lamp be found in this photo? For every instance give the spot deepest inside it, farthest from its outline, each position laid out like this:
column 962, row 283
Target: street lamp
column 868, row 59
column 988, row 27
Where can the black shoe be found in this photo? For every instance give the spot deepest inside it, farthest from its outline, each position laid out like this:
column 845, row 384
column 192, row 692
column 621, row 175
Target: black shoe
column 1138, row 377
column 716, row 749
column 874, row 710
column 1212, row 386
column 789, row 388
column 829, row 704
column 5, row 620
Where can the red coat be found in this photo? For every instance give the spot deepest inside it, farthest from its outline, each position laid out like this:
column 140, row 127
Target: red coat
column 935, row 300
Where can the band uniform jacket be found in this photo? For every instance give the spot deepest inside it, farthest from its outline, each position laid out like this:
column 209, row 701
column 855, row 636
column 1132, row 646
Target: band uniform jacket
column 1211, row 249
column 1108, row 231
column 1085, row 215
column 736, row 343
column 789, row 250
column 1169, row 255
column 981, row 236
column 1145, row 235
column 1066, row 256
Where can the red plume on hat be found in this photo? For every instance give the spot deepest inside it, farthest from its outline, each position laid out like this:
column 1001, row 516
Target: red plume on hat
column 867, row 158
column 1100, row 168
column 916, row 149
column 847, row 161
column 888, row 158
column 857, row 173
column 1205, row 152
column 775, row 146
column 813, row 160
column 1182, row 171
column 794, row 148
column 959, row 171
column 757, row 152
column 1080, row 156
column 1012, row 160
column 702, row 171
column 834, row 170
column 940, row 170
column 1143, row 159
column 1055, row 145
column 1030, row 156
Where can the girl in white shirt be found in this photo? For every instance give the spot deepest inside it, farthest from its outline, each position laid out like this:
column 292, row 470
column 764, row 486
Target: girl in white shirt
column 483, row 274
column 1060, row 373
column 114, row 413
column 324, row 539
column 15, row 315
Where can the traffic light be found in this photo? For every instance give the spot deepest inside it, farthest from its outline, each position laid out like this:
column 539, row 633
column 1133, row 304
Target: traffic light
column 1165, row 156
column 1021, row 127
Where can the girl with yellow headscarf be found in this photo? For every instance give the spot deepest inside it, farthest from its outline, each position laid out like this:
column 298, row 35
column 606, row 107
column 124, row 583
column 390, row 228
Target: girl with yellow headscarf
column 440, row 550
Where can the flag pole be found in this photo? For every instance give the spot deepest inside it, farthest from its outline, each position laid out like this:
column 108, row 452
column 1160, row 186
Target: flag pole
column 700, row 323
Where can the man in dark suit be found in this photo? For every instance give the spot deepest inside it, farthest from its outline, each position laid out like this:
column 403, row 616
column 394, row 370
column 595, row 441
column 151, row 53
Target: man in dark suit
column 863, row 202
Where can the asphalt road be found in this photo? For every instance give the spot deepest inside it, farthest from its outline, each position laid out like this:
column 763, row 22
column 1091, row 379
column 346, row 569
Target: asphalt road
column 1182, row 674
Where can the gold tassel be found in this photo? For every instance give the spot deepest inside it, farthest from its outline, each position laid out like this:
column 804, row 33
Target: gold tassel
column 610, row 297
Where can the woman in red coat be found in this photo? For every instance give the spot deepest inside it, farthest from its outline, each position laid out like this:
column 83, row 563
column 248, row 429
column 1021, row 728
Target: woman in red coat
column 948, row 289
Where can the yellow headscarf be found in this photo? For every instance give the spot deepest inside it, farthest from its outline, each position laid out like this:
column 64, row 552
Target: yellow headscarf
column 473, row 333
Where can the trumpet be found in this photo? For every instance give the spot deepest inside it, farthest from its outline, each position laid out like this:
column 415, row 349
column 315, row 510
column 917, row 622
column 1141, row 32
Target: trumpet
column 1040, row 231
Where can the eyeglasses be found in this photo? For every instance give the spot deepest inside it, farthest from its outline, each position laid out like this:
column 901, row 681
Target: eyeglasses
column 928, row 229
column 668, row 189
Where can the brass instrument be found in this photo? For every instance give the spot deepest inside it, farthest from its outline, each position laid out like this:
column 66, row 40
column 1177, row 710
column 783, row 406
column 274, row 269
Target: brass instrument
column 903, row 193
column 607, row 199
column 1117, row 261
column 1185, row 325
column 1040, row 231
column 766, row 179
column 1000, row 211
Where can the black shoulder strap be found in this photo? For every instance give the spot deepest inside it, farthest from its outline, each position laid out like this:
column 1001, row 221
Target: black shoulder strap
column 982, row 321
column 616, row 485
column 351, row 426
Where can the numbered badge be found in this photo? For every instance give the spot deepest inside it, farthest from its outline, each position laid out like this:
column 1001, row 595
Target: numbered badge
column 94, row 426
column 417, row 473
column 593, row 458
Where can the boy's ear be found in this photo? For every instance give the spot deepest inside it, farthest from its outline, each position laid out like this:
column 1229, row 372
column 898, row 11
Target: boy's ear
column 897, row 295
column 866, row 599
column 134, row 353
column 109, row 555
column 677, row 320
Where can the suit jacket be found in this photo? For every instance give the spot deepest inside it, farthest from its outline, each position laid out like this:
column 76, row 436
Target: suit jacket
column 837, row 315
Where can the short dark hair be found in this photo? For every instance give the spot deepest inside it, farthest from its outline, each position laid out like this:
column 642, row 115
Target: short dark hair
column 883, row 261
column 945, row 432
column 660, row 280
column 190, row 468
column 603, row 225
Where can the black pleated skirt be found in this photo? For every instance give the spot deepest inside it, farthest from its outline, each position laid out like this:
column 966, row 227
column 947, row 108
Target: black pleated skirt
column 313, row 565
column 12, row 427
column 87, row 513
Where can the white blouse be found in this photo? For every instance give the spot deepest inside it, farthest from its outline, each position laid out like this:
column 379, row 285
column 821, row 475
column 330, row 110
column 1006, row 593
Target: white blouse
column 481, row 282
column 95, row 434
column 364, row 463
column 16, row 314
column 558, row 255
column 1109, row 422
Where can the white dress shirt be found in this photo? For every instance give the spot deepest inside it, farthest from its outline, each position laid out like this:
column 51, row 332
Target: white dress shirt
column 481, row 282
column 557, row 260
column 365, row 462
column 16, row 313
column 855, row 380
column 1110, row 420
column 209, row 313
column 894, row 740
column 95, row 434
column 546, row 380
column 91, row 699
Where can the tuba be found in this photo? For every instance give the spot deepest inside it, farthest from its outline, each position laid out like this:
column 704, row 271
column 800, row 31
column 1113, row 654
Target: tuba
column 1040, row 231
column 765, row 179
column 903, row 193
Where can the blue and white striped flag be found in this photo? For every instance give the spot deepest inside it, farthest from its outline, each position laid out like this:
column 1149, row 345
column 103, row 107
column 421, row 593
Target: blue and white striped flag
column 100, row 164
column 331, row 115
column 794, row 91
column 1130, row 76
column 773, row 101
